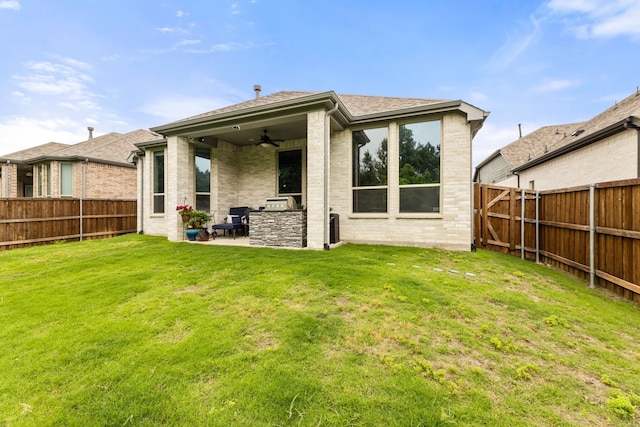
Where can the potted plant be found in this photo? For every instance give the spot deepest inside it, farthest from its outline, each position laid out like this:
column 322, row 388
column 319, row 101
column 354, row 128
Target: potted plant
column 197, row 219
column 185, row 212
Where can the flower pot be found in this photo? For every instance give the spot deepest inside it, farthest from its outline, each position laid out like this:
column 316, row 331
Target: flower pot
column 191, row 234
column 185, row 217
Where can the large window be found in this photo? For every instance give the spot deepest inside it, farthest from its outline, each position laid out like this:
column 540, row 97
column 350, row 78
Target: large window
column 203, row 179
column 66, row 180
column 290, row 174
column 40, row 180
column 419, row 166
column 370, row 170
column 48, row 175
column 158, row 182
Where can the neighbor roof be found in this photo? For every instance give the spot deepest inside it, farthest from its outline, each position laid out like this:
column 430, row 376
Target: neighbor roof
column 551, row 141
column 40, row 150
column 612, row 120
column 113, row 147
column 536, row 143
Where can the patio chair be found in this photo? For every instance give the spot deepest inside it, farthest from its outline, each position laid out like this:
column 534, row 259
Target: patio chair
column 238, row 219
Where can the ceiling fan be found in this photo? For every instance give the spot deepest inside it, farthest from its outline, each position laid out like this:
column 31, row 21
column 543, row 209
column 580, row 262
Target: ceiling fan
column 265, row 140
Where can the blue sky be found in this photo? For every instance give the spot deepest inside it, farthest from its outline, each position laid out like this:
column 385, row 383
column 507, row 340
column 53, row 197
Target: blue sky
column 124, row 65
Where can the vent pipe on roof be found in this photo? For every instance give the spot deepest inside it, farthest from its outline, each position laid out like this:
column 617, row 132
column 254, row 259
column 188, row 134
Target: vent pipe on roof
column 90, row 129
column 257, row 89
column 520, row 130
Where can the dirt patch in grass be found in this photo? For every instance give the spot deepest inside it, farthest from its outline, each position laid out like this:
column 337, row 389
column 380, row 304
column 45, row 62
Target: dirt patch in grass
column 191, row 289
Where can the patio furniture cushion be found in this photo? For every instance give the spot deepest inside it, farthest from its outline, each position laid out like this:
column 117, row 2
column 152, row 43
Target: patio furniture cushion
column 233, row 221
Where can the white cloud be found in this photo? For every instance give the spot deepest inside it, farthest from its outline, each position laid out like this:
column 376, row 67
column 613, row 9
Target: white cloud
column 600, row 18
column 58, row 79
column 551, row 85
column 170, row 30
column 516, row 44
column 10, row 4
column 181, row 13
column 188, row 42
column 19, row 133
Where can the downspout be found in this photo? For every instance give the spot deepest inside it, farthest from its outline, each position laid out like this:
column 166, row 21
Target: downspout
column 327, row 128
column 141, row 213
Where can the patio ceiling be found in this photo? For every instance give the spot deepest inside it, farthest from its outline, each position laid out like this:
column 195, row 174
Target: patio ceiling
column 249, row 132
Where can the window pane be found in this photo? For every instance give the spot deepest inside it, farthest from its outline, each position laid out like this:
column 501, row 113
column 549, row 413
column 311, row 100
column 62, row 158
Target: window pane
column 158, row 172
column 48, row 179
column 203, row 170
column 40, row 181
column 203, row 202
column 369, row 157
column 158, row 182
column 290, row 172
column 420, row 153
column 420, row 199
column 158, row 204
column 66, row 179
column 370, row 200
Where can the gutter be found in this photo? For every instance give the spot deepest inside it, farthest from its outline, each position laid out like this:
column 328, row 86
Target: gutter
column 75, row 158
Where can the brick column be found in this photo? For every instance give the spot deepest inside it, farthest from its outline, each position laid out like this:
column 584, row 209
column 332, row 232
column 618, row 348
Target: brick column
column 180, row 170
column 315, row 180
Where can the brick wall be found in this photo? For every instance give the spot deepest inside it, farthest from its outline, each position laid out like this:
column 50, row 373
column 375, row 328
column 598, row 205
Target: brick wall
column 614, row 158
column 450, row 229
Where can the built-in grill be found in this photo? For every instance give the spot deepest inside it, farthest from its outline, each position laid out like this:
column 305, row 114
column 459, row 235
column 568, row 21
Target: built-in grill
column 274, row 204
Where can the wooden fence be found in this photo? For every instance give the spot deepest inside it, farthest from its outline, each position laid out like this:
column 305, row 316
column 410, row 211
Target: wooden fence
column 35, row 221
column 591, row 231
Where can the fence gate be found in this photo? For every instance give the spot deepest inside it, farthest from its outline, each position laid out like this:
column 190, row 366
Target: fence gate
column 503, row 222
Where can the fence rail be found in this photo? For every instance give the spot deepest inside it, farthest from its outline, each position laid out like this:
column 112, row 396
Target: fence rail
column 35, row 221
column 591, row 231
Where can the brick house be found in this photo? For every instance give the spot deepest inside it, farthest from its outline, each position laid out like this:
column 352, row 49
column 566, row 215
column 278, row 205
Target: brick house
column 95, row 168
column 394, row 170
column 604, row 148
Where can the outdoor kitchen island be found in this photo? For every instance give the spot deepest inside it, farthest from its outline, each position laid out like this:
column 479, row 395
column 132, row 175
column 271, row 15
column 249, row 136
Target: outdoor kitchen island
column 284, row 228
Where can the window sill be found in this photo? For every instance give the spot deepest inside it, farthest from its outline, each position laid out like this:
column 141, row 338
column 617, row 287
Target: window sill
column 368, row 216
column 435, row 215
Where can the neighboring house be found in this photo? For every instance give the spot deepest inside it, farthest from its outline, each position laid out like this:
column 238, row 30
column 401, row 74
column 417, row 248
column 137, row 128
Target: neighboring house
column 95, row 168
column 394, row 170
column 604, row 148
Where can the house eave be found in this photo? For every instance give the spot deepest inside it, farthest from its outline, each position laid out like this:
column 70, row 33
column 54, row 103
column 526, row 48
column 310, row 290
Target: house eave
column 75, row 158
column 472, row 113
column 156, row 143
column 291, row 107
column 615, row 128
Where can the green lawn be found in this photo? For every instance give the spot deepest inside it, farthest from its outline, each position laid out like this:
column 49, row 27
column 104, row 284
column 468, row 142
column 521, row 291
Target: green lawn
column 138, row 331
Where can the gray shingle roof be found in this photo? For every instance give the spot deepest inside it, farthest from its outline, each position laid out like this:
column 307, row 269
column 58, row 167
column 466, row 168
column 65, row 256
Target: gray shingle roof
column 537, row 143
column 548, row 139
column 358, row 105
column 40, row 150
column 113, row 147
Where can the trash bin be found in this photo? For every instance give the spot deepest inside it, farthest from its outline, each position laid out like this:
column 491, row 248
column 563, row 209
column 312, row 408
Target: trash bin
column 334, row 228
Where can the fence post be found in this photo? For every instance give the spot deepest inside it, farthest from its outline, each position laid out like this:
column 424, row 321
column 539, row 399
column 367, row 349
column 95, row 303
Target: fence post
column 523, row 197
column 537, row 227
column 592, row 236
